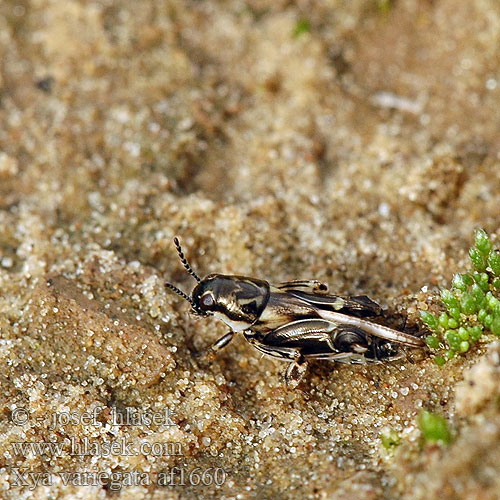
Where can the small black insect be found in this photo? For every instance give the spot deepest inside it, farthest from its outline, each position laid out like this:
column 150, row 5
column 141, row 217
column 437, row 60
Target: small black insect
column 295, row 321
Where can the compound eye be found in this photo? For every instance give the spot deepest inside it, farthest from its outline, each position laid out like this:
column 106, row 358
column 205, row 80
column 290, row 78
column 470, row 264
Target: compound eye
column 207, row 301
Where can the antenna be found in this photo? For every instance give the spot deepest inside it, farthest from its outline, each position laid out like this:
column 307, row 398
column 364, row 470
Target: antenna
column 184, row 261
column 178, row 291
column 185, row 296
column 188, row 268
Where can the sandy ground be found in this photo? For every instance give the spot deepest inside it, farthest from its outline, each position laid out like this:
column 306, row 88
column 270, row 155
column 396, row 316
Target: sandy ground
column 352, row 142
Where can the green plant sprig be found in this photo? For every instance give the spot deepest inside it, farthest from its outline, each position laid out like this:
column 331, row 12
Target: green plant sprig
column 434, row 428
column 471, row 306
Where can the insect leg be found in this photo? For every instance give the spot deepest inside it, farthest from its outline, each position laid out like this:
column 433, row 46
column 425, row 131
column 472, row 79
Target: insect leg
column 295, row 371
column 309, row 286
column 223, row 341
column 210, row 352
column 374, row 329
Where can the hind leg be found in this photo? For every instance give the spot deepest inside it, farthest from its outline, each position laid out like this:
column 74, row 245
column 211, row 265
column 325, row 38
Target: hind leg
column 351, row 339
column 295, row 371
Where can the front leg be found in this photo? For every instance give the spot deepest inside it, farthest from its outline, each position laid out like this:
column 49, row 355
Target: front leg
column 222, row 342
column 209, row 354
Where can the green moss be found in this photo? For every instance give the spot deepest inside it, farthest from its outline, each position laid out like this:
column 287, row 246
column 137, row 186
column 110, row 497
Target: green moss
column 464, row 346
column 429, row 319
column 482, row 242
column 478, row 260
column 302, row 26
column 434, row 428
column 475, row 332
column 439, row 360
column 462, row 281
column 495, row 325
column 493, row 304
column 494, row 262
column 384, row 6
column 482, row 280
column 443, row 320
column 467, row 304
column 478, row 295
column 449, row 299
column 452, row 338
column 455, row 314
column 481, row 315
column 432, row 341
column 390, row 439
column 471, row 307
column 463, row 333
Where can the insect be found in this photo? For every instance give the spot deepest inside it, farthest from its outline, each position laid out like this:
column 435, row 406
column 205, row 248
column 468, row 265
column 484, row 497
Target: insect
column 295, row 321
